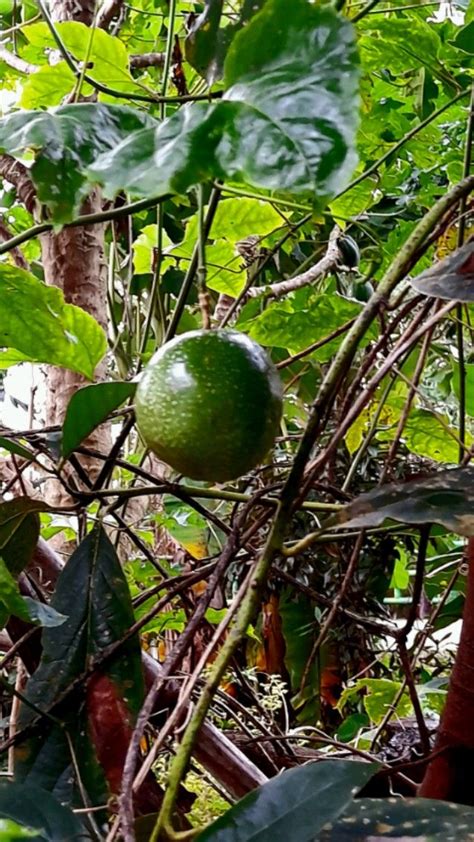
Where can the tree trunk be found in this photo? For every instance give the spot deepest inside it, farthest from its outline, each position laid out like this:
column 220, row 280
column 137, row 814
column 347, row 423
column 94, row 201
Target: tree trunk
column 74, row 261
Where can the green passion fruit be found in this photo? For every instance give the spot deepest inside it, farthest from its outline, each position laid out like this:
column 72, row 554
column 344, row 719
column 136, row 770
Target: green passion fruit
column 209, row 404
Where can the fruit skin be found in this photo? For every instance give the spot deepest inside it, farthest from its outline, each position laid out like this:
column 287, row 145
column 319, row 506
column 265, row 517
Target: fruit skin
column 209, row 404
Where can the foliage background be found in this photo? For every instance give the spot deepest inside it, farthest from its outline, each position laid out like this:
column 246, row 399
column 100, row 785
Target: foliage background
column 348, row 636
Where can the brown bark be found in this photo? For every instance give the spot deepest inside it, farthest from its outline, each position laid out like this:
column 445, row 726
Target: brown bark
column 17, row 256
column 108, row 10
column 449, row 774
column 73, row 260
column 17, row 174
column 78, row 10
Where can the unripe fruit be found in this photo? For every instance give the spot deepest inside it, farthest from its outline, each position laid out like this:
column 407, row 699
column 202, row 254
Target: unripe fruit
column 209, row 404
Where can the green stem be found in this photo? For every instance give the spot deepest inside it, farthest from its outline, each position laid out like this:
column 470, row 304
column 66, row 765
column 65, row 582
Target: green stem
column 201, row 272
column 398, row 269
column 195, row 491
column 85, row 62
column 262, row 197
column 190, row 274
column 85, row 219
column 168, row 53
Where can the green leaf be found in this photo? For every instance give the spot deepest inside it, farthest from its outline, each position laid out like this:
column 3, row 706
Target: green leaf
column 19, row 531
column 93, row 593
column 17, row 449
column 399, row 44
column 12, row 357
column 425, row 435
column 352, row 203
column 301, row 320
column 43, row 615
column 144, row 248
column 88, row 408
column 299, row 627
column 33, row 807
column 34, row 319
column 446, row 498
column 400, row 576
column 421, row 819
column 66, row 140
column 294, row 805
column 469, row 385
column 236, row 219
column 287, row 121
column 351, row 726
column 107, row 62
column 465, row 38
column 379, row 697
column 225, row 271
column 11, row 830
column 48, row 86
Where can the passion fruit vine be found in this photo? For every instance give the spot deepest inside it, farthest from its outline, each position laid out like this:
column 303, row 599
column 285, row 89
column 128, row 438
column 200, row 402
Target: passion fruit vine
column 209, row 404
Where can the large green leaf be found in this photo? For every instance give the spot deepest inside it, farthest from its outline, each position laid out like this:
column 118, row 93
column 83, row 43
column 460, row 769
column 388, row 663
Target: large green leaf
column 421, row 819
column 66, row 140
column 295, row 805
column 286, row 121
column 35, row 320
column 400, row 44
column 36, row 808
column 446, row 498
column 88, row 408
column 107, row 62
column 93, row 592
column 379, row 695
column 429, row 434
column 302, row 319
column 465, row 38
column 235, row 219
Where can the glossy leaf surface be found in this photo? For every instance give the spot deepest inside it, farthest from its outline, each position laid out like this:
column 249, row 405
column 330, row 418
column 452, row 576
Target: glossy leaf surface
column 420, row 819
column 88, row 408
column 286, row 122
column 68, row 139
column 295, row 805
